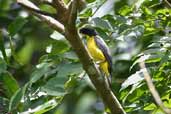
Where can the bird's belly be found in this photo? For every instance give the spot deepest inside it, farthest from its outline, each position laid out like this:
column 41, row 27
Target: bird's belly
column 95, row 52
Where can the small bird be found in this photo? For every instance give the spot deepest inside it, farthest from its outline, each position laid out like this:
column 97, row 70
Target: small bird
column 99, row 51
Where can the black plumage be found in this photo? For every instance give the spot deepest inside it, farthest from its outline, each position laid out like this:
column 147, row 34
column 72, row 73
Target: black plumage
column 88, row 31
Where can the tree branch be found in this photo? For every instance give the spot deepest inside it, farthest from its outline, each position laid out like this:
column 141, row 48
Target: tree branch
column 60, row 5
column 168, row 3
column 88, row 64
column 73, row 13
column 35, row 10
column 62, row 10
column 152, row 89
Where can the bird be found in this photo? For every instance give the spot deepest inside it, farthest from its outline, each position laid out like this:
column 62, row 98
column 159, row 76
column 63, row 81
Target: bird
column 99, row 51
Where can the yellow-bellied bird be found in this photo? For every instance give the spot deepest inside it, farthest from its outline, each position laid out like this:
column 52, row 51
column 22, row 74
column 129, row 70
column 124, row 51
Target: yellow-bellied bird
column 98, row 50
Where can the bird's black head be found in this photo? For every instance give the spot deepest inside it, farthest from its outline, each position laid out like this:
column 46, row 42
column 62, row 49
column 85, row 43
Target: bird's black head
column 88, row 31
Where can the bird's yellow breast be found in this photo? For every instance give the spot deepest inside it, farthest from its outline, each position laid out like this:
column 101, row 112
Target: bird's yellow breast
column 97, row 55
column 95, row 52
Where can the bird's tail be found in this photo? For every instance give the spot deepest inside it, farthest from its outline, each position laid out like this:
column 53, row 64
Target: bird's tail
column 105, row 70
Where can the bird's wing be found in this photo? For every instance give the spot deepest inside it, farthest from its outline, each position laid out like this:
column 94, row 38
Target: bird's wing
column 104, row 48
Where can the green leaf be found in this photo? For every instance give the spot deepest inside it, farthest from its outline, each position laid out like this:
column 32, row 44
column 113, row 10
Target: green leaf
column 135, row 32
column 158, row 111
column 102, row 33
column 46, row 106
column 71, row 56
column 167, row 103
column 165, row 58
column 43, row 108
column 59, row 47
column 69, row 69
column 133, row 94
column 165, row 12
column 10, row 85
column 2, row 48
column 123, row 93
column 90, row 1
column 154, row 58
column 71, row 83
column 150, row 107
column 125, row 10
column 57, row 36
column 15, row 100
column 47, row 8
column 103, row 24
column 133, row 79
column 146, row 10
column 86, row 13
column 55, row 86
column 42, row 69
column 112, row 20
column 16, row 25
column 3, row 66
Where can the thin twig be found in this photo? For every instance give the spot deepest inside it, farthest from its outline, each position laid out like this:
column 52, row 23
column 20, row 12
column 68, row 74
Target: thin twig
column 152, row 89
column 38, row 11
column 62, row 11
column 60, row 5
column 73, row 13
column 168, row 3
column 48, row 19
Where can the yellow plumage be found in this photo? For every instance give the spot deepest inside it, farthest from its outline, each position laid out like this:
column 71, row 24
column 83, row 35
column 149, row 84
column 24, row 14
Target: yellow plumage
column 97, row 55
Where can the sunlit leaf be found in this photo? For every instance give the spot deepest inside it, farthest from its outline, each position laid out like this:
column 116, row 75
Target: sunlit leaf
column 150, row 107
column 105, row 7
column 57, row 36
column 86, row 13
column 133, row 79
column 125, row 10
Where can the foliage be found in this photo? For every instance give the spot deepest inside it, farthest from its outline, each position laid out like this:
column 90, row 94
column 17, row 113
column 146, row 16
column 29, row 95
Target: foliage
column 40, row 73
